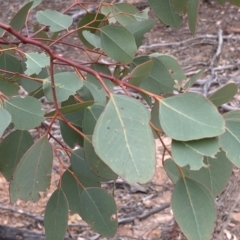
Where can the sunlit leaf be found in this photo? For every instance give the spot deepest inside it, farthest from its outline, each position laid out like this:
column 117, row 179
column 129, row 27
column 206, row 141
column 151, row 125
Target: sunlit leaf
column 165, row 12
column 5, row 120
column 56, row 216
column 193, row 208
column 33, row 173
column 230, row 140
column 36, row 62
column 66, row 84
column 12, row 149
column 26, row 112
column 118, row 43
column 123, row 139
column 190, row 116
column 55, row 20
column 224, row 94
column 98, row 209
column 192, row 152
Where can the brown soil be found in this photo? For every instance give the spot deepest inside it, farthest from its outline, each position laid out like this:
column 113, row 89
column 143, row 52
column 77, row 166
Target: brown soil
column 193, row 53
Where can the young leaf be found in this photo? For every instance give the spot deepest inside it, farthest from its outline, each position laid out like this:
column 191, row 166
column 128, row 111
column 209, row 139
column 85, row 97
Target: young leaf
column 56, row 216
column 192, row 11
column 97, row 165
column 26, row 112
column 33, row 173
column 66, row 84
column 72, row 191
column 216, row 175
column 191, row 153
column 5, row 120
column 224, row 94
column 36, row 62
column 90, row 22
column 18, row 22
column 192, row 117
column 82, row 170
column 193, row 208
column 123, row 139
column 12, row 148
column 165, row 12
column 230, row 139
column 118, row 43
column 55, row 20
column 98, row 209
column 138, row 29
column 141, row 73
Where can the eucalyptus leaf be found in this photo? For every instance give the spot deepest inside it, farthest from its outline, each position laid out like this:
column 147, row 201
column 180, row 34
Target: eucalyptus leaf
column 5, row 120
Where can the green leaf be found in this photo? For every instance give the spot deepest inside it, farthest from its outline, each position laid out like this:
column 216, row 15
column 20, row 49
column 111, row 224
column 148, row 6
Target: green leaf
column 8, row 88
column 224, row 94
column 216, row 175
column 66, row 84
column 26, row 112
column 192, row 117
column 123, row 139
column 71, row 137
column 171, row 169
column 90, row 22
column 18, row 22
column 12, row 149
column 124, row 13
column 56, row 216
column 72, row 191
column 173, row 67
column 70, row 108
column 100, row 96
column 179, row 6
column 30, row 85
column 230, row 139
column 99, row 210
column 159, row 80
column 5, row 120
column 33, row 173
column 11, row 64
column 138, row 29
column 36, row 62
column 55, row 20
column 118, row 43
column 93, row 39
column 235, row 2
column 191, row 153
column 141, row 73
column 193, row 208
column 97, row 165
column 35, row 3
column 82, row 170
column 155, row 118
column 102, row 69
column 193, row 79
column 165, row 12
column 91, row 115
column 192, row 11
